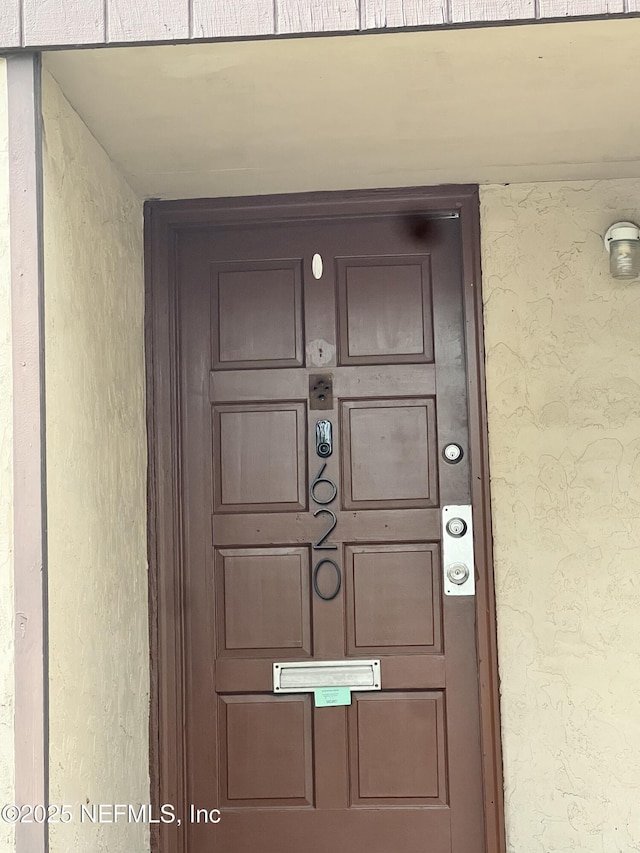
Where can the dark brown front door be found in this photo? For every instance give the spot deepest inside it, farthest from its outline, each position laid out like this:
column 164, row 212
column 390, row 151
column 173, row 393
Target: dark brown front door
column 288, row 555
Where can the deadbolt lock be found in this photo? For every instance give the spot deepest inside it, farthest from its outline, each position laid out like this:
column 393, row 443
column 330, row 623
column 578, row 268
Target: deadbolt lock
column 456, row 527
column 452, row 453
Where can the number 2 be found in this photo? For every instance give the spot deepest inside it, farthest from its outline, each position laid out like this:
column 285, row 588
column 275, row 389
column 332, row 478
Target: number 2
column 320, row 544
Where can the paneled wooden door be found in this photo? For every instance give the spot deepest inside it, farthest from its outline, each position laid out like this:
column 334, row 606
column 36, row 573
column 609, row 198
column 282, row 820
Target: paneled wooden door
column 267, row 315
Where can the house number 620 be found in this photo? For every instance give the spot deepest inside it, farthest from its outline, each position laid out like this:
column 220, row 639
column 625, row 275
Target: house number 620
column 321, row 544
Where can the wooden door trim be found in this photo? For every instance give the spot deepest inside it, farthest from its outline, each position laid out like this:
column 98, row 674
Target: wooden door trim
column 163, row 220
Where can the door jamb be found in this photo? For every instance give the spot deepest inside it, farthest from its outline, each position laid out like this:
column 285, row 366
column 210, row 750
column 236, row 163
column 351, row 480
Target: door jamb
column 163, row 221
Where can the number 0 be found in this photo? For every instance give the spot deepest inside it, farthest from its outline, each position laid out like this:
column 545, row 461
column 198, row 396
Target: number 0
column 338, row 574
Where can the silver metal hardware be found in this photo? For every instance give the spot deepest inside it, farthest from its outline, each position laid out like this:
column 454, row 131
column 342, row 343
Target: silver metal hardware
column 324, row 439
column 452, row 453
column 457, row 550
column 456, row 527
column 305, row 677
column 316, row 266
column 458, row 573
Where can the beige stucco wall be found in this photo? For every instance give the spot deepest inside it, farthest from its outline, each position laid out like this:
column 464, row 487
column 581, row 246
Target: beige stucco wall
column 96, row 492
column 563, row 374
column 6, row 483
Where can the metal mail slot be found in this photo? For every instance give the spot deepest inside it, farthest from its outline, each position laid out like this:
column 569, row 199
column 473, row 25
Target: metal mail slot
column 303, row 677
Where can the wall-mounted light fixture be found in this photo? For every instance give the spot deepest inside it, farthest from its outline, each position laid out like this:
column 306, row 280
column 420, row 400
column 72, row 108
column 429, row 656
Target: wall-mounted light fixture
column 623, row 244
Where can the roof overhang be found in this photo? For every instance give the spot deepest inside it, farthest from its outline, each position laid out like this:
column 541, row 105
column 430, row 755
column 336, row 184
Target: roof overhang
column 492, row 105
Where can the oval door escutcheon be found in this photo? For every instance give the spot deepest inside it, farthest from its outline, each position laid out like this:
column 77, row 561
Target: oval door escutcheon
column 316, row 266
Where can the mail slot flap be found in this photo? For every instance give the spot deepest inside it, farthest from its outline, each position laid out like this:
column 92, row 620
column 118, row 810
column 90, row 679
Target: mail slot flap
column 302, row 677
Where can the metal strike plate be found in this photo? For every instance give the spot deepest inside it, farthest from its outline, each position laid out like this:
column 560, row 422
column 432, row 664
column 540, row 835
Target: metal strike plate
column 305, row 677
column 457, row 550
column 320, row 391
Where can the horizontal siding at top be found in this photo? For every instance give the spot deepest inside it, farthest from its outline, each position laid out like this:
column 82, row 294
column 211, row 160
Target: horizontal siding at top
column 574, row 8
column 10, row 11
column 232, row 18
column 147, row 20
column 467, row 11
column 316, row 16
column 52, row 22
column 378, row 14
column 43, row 23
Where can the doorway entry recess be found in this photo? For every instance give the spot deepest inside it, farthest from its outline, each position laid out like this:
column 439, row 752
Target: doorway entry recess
column 323, row 638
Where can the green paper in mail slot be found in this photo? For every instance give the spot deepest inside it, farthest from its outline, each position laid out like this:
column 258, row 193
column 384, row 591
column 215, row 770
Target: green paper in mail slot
column 326, row 697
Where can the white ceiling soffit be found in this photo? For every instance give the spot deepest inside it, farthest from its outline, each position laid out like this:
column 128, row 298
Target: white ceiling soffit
column 510, row 104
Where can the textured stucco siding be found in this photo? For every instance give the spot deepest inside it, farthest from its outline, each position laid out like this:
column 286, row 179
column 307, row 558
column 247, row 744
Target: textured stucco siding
column 6, row 483
column 563, row 376
column 96, row 489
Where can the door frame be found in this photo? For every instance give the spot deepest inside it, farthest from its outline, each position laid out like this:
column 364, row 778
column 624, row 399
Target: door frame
column 163, row 221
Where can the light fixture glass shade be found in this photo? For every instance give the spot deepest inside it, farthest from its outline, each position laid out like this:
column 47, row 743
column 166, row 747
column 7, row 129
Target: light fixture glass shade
column 624, row 258
column 622, row 241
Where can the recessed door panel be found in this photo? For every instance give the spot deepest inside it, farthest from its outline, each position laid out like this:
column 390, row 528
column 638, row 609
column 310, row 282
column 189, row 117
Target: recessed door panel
column 393, row 598
column 398, row 749
column 263, row 602
column 385, row 310
column 260, row 455
column 389, row 451
column 267, row 751
column 257, row 314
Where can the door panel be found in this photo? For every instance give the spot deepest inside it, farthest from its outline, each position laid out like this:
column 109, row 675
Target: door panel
column 259, row 457
column 403, row 472
column 262, row 598
column 395, row 770
column 385, row 310
column 392, row 598
column 266, row 751
column 256, row 314
column 388, row 771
